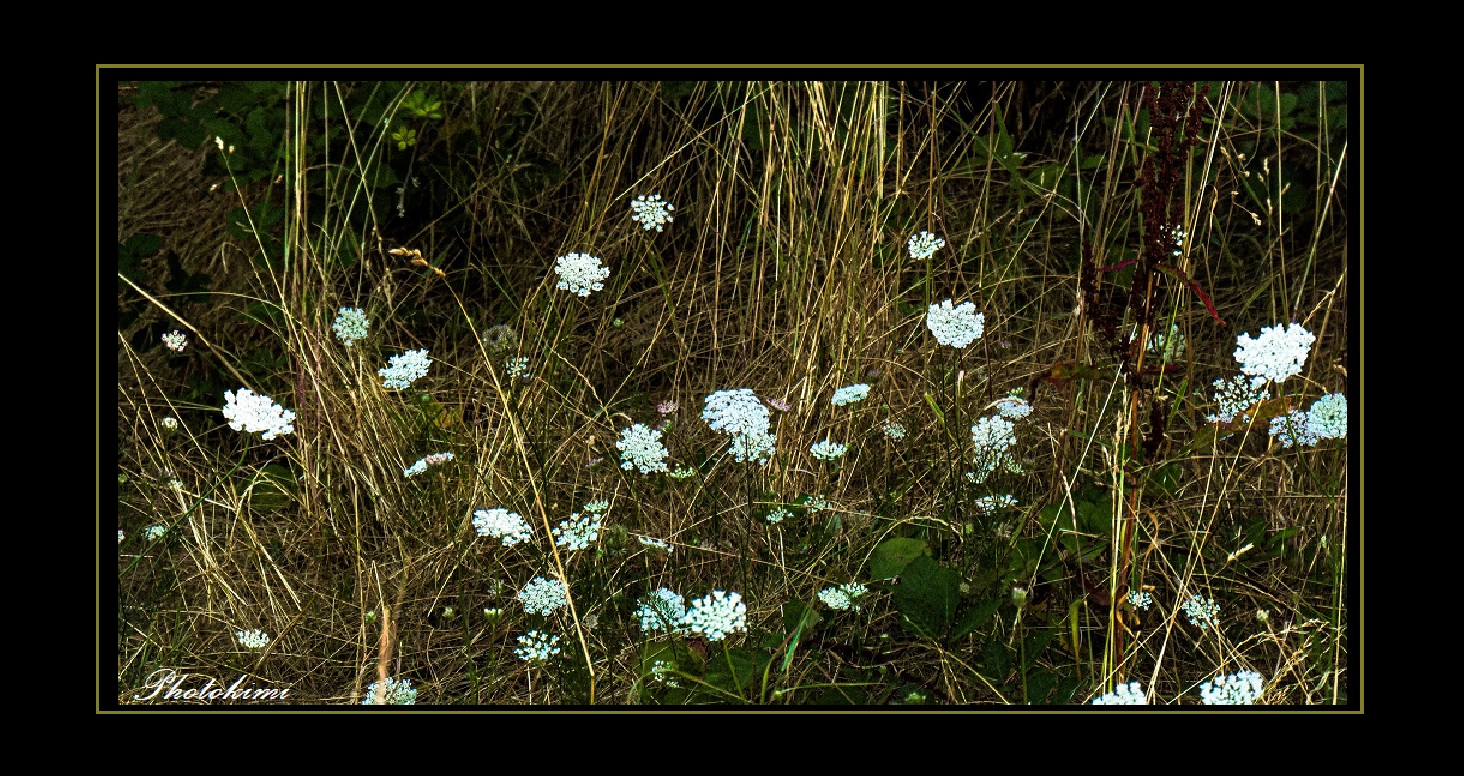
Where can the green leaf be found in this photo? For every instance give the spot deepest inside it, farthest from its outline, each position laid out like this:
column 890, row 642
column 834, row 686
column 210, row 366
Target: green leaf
column 1035, row 644
column 272, row 488
column 735, row 669
column 995, row 660
column 927, row 596
column 972, row 617
column 891, row 557
column 1039, row 684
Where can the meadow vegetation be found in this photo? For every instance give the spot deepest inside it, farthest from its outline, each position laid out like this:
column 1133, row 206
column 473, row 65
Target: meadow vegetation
column 736, row 393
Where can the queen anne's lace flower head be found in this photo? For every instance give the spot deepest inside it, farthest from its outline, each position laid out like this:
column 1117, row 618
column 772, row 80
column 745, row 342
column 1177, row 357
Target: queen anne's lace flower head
column 740, row 414
column 580, row 273
column 659, row 544
column 252, row 639
column 175, row 341
column 1235, row 396
column 1294, row 428
column 542, row 595
column 1201, row 611
column 827, row 450
column 994, row 438
column 924, row 245
column 405, row 369
column 956, row 326
column 1013, row 407
column 894, row 430
column 579, row 531
column 990, row 505
column 1239, row 689
column 1131, row 694
column 153, row 533
column 778, row 515
column 1327, row 418
column 502, row 524
column 436, row 459
column 716, row 616
column 248, row 411
column 398, row 693
column 1275, row 355
column 350, row 325
column 1141, row 599
column 641, row 448
column 652, row 212
column 842, row 597
column 662, row 611
column 536, row 646
column 850, row 394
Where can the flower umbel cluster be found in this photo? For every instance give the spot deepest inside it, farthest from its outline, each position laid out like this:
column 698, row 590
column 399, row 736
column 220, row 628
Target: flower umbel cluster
column 850, row 394
column 662, row 611
column 894, row 430
column 536, row 646
column 1328, row 416
column 716, row 615
column 252, row 639
column 1131, row 694
column 843, row 596
column 778, row 515
column 398, row 693
column 578, row 531
column 248, row 411
column 350, row 325
column 1140, row 599
column 1239, row 689
column 994, row 439
column 956, row 326
column 1201, row 612
column 990, row 505
column 641, row 448
column 1294, row 428
column 924, row 245
column 175, row 341
column 542, row 595
column 739, row 414
column 1275, row 355
column 516, row 367
column 580, row 273
column 436, row 459
column 652, row 212
column 827, row 450
column 656, row 543
column 1237, row 395
column 405, row 369
column 153, row 533
column 1013, row 407
column 502, row 524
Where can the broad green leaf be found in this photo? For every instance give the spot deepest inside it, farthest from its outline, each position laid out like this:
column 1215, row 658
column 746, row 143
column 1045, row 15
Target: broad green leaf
column 891, row 557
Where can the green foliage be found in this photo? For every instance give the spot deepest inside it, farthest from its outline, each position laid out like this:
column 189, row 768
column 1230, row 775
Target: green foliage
column 926, row 597
column 272, row 488
column 893, row 555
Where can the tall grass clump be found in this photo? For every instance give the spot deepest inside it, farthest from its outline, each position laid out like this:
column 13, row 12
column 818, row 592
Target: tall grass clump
column 734, row 393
